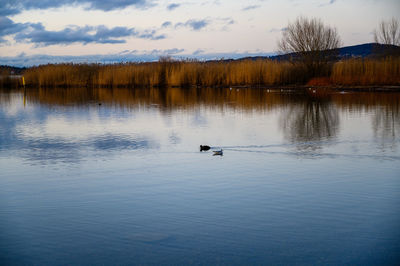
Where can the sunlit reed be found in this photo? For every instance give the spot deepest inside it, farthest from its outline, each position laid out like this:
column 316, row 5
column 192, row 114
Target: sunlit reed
column 167, row 72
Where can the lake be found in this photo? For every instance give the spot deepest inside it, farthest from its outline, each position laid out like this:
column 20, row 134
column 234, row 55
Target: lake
column 115, row 177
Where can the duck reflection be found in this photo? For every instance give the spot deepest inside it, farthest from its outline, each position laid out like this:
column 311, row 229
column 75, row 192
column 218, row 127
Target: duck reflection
column 311, row 119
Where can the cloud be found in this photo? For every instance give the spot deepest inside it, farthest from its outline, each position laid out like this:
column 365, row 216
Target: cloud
column 8, row 27
column 173, row 6
column 107, row 5
column 37, row 34
column 53, row 148
column 150, row 35
column 199, row 24
column 166, row 24
column 250, row 7
column 11, row 7
column 225, row 23
column 194, row 24
column 198, row 52
column 172, row 51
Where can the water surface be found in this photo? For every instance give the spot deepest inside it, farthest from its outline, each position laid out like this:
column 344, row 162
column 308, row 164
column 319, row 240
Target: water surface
column 115, row 177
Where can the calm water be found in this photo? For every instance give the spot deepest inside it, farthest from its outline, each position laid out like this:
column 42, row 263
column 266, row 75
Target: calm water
column 305, row 178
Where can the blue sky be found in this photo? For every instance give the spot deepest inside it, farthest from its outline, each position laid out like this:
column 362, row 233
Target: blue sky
column 41, row 31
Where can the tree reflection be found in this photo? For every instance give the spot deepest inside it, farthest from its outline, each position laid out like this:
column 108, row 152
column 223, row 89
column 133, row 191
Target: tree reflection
column 309, row 120
column 386, row 125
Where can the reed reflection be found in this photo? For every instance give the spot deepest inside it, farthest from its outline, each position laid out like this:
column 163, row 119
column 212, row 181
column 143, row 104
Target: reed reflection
column 307, row 119
column 165, row 98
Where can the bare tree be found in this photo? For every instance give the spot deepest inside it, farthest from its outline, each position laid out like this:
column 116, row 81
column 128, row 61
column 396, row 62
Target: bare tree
column 310, row 42
column 388, row 32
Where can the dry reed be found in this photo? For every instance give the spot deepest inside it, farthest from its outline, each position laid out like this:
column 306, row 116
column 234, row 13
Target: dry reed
column 189, row 73
column 367, row 72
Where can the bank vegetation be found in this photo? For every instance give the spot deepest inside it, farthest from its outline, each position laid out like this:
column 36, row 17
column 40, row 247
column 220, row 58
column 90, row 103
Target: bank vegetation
column 166, row 72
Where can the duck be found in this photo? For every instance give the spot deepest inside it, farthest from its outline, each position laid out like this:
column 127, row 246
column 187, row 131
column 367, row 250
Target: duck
column 204, row 147
column 218, row 153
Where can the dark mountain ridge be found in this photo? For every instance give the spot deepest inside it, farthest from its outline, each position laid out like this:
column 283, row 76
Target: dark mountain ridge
column 366, row 50
column 11, row 70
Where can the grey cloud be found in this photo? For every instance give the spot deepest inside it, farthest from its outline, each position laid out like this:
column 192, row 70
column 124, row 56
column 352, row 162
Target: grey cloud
column 172, row 51
column 8, row 27
column 36, row 33
column 199, row 24
column 116, row 32
column 107, row 5
column 11, row 7
column 225, row 22
column 150, row 35
column 166, row 24
column 6, row 11
column 198, row 52
column 194, row 24
column 250, row 7
column 173, row 6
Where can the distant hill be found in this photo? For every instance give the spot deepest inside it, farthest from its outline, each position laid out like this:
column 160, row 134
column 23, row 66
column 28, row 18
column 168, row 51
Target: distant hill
column 368, row 50
column 354, row 51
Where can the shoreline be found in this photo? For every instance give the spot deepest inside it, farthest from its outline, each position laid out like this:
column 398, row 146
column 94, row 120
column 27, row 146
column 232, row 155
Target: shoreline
column 339, row 88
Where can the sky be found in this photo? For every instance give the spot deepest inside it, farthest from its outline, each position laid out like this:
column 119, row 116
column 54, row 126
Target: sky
column 34, row 32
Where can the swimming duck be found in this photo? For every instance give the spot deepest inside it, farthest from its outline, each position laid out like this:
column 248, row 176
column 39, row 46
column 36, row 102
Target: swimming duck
column 204, row 147
column 218, row 153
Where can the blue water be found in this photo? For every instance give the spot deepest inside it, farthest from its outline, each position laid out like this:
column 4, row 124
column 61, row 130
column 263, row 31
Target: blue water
column 302, row 180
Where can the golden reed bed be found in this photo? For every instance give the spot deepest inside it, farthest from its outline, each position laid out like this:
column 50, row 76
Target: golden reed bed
column 351, row 72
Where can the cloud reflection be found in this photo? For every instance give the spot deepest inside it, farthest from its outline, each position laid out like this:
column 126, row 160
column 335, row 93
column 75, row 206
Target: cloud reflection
column 33, row 137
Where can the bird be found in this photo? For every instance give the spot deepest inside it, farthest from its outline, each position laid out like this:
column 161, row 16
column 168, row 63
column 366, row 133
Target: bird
column 218, row 153
column 204, row 147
